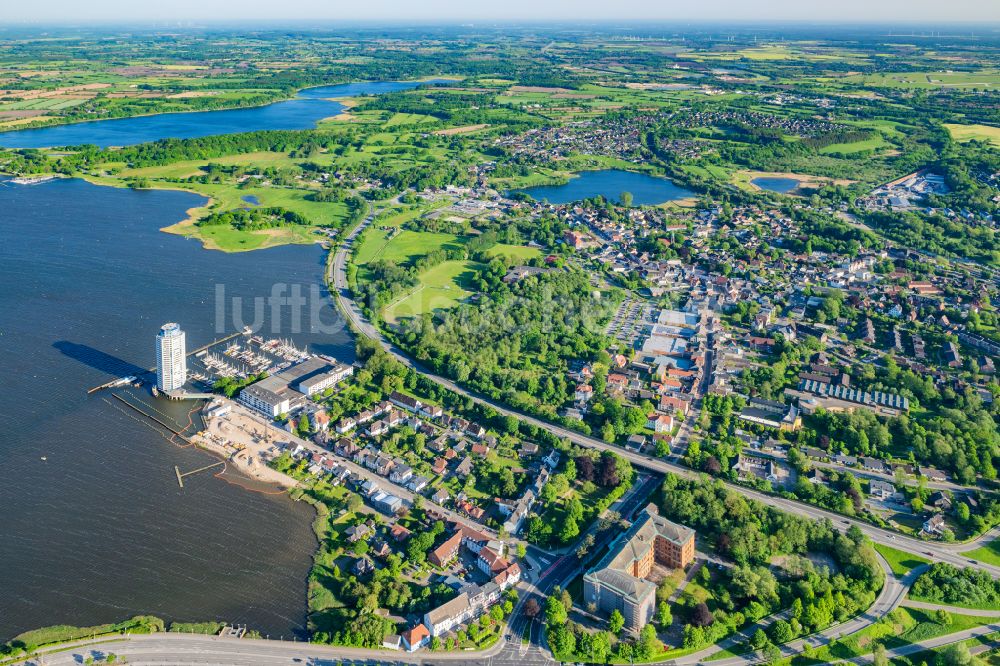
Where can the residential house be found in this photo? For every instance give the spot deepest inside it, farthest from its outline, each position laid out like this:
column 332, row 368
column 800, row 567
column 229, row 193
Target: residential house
column 363, row 565
column 399, row 533
column 357, row 533
column 464, row 468
column 939, row 502
column 875, row 465
column 932, row 474
column 400, row 473
column 935, row 524
column 447, row 551
column 471, row 510
column 881, row 490
column 417, row 483
column 660, row 422
column 816, row 476
column 345, row 425
column 416, row 638
column 406, row 402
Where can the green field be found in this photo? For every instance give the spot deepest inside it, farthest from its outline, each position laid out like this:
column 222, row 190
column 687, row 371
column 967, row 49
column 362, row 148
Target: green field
column 875, row 143
column 516, row 252
column 990, row 553
column 442, row 287
column 409, row 119
column 901, row 627
column 975, row 132
column 229, row 239
column 985, row 79
column 404, row 246
column 901, row 563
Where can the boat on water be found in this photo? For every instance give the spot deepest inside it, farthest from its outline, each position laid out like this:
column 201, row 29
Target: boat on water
column 32, row 180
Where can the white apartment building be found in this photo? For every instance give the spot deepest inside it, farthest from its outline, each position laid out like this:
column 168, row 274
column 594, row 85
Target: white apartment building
column 171, row 358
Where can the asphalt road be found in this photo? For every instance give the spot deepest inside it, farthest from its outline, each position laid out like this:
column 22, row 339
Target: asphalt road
column 930, row 644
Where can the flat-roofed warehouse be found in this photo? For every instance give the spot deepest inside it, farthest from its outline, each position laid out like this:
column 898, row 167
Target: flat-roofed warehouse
column 284, row 391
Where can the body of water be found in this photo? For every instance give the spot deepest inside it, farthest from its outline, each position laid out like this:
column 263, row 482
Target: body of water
column 646, row 190
column 95, row 527
column 303, row 112
column 776, row 184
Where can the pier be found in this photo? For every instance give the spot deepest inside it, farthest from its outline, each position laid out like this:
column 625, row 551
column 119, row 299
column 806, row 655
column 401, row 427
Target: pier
column 118, row 382
column 180, row 476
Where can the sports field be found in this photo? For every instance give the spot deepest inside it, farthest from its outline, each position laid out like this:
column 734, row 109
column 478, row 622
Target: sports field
column 441, row 287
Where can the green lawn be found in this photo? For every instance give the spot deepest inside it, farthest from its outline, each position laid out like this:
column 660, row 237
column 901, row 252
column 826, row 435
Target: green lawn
column 518, row 252
column 854, row 147
column 990, row 553
column 442, row 287
column 901, row 563
column 409, row 119
column 228, row 239
column 929, row 656
column 409, row 245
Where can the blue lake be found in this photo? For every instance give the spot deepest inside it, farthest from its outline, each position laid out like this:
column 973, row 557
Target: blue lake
column 303, row 112
column 646, row 190
column 779, row 185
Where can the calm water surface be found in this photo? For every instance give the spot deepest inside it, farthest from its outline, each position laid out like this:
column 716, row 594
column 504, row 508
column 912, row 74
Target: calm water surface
column 779, row 185
column 303, row 112
column 100, row 531
column 646, row 190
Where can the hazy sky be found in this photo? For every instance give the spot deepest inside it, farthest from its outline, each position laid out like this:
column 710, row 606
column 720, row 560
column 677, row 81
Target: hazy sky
column 471, row 10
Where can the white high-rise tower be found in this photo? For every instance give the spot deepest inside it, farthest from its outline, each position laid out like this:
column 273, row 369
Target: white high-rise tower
column 171, row 359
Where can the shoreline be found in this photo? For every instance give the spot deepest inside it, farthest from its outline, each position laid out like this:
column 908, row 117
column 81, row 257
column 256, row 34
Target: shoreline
column 244, row 464
column 334, row 100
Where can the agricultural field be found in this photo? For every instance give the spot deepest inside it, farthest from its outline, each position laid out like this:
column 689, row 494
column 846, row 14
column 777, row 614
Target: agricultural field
column 975, row 133
column 927, row 80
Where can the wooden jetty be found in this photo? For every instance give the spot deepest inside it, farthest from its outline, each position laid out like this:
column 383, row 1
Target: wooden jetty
column 180, row 476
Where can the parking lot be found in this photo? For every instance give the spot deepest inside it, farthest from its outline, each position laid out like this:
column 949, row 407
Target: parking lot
column 629, row 323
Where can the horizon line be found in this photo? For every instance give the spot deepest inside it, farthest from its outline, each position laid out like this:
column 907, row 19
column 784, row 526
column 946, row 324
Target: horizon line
column 986, row 25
